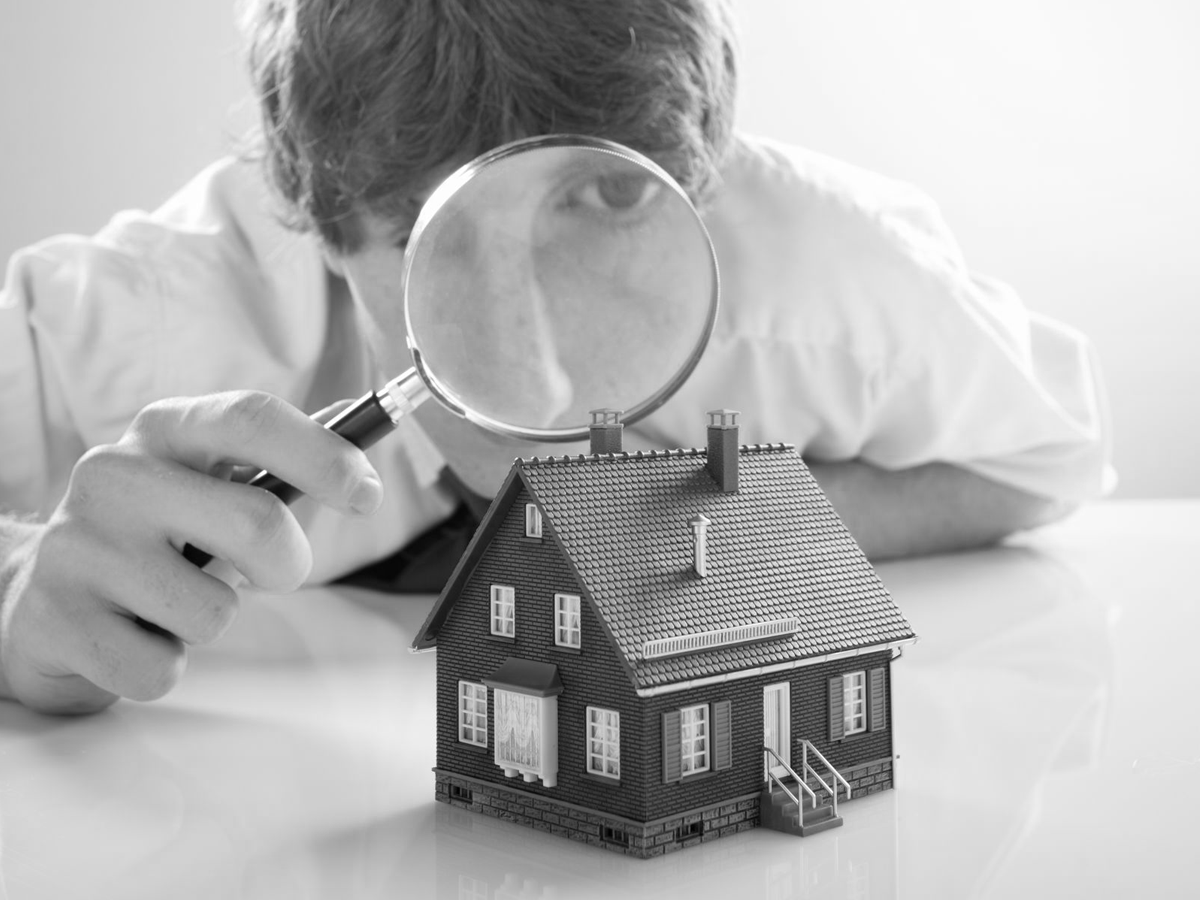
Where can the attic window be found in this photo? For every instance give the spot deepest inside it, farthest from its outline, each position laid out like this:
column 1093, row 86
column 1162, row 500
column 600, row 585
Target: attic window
column 698, row 641
column 504, row 611
column 566, row 620
column 533, row 521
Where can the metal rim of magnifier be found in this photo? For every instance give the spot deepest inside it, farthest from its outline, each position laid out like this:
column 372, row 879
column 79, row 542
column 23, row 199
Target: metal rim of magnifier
column 457, row 181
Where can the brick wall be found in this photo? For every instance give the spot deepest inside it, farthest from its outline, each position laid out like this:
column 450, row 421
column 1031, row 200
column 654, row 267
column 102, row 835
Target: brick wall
column 593, row 675
column 809, row 719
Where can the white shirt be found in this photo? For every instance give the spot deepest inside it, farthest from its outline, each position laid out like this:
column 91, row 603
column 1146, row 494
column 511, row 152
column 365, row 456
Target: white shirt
column 849, row 326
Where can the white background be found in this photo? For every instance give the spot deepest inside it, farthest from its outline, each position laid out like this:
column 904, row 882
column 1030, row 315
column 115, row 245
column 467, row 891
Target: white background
column 1061, row 138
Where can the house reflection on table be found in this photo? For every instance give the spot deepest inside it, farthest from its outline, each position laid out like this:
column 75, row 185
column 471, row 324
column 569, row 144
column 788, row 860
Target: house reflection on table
column 1011, row 687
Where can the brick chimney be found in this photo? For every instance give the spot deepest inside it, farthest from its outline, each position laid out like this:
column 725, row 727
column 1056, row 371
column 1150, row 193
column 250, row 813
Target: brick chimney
column 605, row 430
column 723, row 448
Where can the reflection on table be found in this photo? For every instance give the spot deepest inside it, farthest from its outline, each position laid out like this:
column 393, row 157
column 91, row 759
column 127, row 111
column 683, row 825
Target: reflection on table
column 1042, row 728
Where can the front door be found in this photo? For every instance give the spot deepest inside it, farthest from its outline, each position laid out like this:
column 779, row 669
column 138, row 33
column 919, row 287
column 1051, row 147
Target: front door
column 777, row 726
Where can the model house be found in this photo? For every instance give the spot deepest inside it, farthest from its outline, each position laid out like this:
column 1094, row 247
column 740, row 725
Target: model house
column 646, row 650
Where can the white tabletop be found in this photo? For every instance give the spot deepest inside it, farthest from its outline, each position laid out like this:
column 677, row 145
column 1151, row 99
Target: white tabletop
column 1045, row 723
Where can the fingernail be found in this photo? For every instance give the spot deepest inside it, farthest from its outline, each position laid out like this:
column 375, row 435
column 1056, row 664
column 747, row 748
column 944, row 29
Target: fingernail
column 367, row 496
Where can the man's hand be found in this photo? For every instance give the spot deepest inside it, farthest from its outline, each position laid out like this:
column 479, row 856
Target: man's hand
column 77, row 593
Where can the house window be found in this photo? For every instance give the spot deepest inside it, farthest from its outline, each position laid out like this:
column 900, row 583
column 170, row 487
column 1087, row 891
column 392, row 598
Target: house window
column 854, row 709
column 693, row 739
column 566, row 620
column 858, row 702
column 612, row 835
column 533, row 521
column 525, row 719
column 518, row 731
column 697, row 739
column 472, row 713
column 504, row 616
column 604, row 742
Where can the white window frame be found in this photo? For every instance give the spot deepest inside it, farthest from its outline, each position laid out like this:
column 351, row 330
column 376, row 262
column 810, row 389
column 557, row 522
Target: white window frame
column 472, row 713
column 604, row 742
column 525, row 735
column 567, row 634
column 694, row 739
column 533, row 521
column 504, row 610
column 854, row 702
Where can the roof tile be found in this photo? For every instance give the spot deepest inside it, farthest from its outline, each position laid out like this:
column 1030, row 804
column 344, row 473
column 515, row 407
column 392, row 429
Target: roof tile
column 776, row 548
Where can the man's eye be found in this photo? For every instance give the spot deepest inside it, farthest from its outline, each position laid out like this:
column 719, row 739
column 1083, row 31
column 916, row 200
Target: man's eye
column 616, row 193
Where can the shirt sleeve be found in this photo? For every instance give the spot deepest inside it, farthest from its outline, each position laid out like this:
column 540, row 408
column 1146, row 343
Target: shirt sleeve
column 852, row 326
column 1009, row 394
column 979, row 380
column 58, row 395
column 208, row 293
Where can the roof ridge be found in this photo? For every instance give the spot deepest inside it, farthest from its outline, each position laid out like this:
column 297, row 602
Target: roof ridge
column 625, row 455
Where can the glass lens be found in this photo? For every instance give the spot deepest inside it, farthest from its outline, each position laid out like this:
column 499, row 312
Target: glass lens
column 556, row 276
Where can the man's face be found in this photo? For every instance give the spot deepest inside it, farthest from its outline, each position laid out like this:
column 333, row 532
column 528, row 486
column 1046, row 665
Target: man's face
column 548, row 284
column 375, row 275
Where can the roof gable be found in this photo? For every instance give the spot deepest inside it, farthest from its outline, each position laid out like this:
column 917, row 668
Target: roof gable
column 776, row 551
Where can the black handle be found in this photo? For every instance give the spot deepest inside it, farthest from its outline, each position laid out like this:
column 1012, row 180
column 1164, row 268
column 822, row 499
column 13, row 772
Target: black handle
column 362, row 424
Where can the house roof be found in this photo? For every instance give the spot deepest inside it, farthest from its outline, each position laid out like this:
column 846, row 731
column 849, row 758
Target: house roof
column 776, row 550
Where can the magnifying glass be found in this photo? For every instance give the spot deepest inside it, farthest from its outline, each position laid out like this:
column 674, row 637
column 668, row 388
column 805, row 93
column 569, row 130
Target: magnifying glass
column 547, row 278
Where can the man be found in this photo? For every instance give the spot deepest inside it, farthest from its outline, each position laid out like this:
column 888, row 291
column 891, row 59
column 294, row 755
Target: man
column 140, row 367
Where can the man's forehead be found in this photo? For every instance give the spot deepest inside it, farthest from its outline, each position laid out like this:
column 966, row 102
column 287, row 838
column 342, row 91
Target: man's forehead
column 395, row 227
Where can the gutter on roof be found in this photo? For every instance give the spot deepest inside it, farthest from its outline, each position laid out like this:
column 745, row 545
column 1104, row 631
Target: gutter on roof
column 788, row 666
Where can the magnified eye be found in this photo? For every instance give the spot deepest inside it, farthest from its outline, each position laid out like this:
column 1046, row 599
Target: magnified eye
column 621, row 192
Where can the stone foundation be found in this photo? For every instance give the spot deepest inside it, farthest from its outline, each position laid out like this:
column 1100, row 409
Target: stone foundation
column 640, row 839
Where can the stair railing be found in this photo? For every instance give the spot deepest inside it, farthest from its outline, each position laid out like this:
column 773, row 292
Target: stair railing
column 805, row 746
column 772, row 778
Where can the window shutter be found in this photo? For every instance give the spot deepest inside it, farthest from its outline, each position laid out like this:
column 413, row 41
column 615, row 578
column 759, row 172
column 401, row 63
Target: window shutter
column 672, row 762
column 722, row 735
column 877, row 699
column 837, row 710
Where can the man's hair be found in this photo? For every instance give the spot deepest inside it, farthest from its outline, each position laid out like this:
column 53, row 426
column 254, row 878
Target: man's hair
column 362, row 99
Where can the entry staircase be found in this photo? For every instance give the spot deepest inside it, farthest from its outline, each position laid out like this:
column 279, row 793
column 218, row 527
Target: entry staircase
column 789, row 804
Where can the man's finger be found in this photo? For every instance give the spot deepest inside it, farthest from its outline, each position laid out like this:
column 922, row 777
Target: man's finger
column 251, row 428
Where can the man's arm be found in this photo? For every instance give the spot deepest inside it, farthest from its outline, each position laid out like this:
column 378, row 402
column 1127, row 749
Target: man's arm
column 17, row 539
column 934, row 508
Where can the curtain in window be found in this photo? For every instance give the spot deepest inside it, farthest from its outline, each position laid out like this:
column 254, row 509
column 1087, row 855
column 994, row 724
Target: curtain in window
column 518, row 730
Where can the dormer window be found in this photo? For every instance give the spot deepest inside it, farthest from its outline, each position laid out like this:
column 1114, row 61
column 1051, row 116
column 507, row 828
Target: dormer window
column 533, row 521
column 504, row 612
